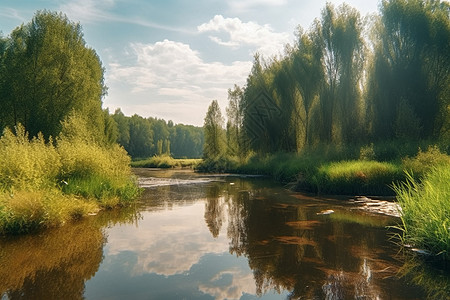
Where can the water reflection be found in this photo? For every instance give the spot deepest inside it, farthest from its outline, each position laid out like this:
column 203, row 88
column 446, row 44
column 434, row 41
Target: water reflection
column 220, row 238
column 54, row 265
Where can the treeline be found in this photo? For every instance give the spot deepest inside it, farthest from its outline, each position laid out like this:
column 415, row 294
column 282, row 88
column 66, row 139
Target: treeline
column 347, row 80
column 146, row 137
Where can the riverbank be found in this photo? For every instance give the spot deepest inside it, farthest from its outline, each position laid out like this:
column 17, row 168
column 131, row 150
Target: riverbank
column 333, row 173
column 45, row 184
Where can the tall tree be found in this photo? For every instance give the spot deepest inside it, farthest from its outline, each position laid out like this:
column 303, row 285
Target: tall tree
column 234, row 123
column 340, row 35
column 213, row 127
column 308, row 71
column 49, row 71
column 409, row 83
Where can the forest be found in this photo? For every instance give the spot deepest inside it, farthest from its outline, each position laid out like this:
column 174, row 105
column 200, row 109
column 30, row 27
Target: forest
column 347, row 82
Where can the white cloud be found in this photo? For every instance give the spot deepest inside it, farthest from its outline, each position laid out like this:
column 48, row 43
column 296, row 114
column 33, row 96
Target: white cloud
column 172, row 74
column 243, row 5
column 161, row 236
column 261, row 37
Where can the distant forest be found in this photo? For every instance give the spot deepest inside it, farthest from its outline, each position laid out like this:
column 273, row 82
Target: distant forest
column 347, row 80
column 145, row 137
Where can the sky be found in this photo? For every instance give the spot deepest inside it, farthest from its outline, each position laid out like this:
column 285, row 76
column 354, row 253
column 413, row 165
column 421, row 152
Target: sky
column 169, row 59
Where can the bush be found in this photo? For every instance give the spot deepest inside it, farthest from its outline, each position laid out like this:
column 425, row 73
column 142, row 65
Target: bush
column 423, row 162
column 43, row 186
column 25, row 164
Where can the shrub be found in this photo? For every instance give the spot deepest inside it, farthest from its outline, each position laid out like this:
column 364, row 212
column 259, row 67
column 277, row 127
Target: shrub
column 423, row 162
column 26, row 164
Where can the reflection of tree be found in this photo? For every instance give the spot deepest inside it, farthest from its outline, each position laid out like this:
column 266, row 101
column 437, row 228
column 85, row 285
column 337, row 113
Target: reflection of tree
column 56, row 263
column 289, row 247
column 52, row 266
column 214, row 209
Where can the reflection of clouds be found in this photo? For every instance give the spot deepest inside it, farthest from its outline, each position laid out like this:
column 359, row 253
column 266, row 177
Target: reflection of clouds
column 220, row 286
column 167, row 242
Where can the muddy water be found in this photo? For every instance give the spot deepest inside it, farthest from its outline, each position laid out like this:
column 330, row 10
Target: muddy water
column 212, row 237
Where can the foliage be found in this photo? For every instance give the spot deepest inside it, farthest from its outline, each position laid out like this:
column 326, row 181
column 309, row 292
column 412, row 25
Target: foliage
column 27, row 164
column 147, row 137
column 424, row 162
column 349, row 82
column 43, row 185
column 214, row 135
column 426, row 211
column 47, row 71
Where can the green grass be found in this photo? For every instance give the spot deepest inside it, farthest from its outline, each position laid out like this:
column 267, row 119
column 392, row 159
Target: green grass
column 46, row 184
column 165, row 161
column 426, row 211
column 358, row 177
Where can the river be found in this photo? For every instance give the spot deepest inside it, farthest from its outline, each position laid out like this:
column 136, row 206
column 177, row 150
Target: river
column 194, row 236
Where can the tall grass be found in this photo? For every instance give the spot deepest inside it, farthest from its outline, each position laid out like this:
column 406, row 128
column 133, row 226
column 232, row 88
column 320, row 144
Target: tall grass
column 426, row 211
column 45, row 184
column 165, row 161
column 358, row 177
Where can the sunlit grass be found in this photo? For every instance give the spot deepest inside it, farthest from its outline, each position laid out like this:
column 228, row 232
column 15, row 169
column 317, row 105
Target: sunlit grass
column 426, row 211
column 45, row 185
column 165, row 161
column 358, row 177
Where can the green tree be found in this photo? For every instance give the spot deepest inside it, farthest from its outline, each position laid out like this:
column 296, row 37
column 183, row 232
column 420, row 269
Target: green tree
column 213, row 127
column 234, row 123
column 339, row 34
column 141, row 137
column 48, row 71
column 308, row 71
column 123, row 127
column 409, row 78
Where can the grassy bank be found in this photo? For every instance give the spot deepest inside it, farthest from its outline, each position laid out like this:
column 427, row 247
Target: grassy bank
column 46, row 184
column 350, row 171
column 426, row 211
column 165, row 161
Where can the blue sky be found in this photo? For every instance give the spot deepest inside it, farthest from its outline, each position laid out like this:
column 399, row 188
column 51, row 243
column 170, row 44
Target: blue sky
column 170, row 59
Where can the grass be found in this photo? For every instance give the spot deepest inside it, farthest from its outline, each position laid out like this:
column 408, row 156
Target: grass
column 46, row 184
column 426, row 211
column 165, row 161
column 358, row 177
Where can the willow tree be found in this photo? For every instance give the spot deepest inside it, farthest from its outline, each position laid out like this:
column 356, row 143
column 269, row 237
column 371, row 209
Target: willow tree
column 339, row 34
column 213, row 127
column 409, row 82
column 308, row 71
column 48, row 71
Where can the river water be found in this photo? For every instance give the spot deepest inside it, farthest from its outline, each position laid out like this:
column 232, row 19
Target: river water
column 194, row 236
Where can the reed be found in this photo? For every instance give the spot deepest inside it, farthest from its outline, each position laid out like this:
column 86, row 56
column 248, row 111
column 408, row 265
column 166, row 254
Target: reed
column 426, row 211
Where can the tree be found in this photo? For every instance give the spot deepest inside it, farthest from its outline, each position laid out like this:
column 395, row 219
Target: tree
column 213, row 127
column 339, row 34
column 234, row 123
column 409, row 78
column 48, row 72
column 141, row 137
column 308, row 71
